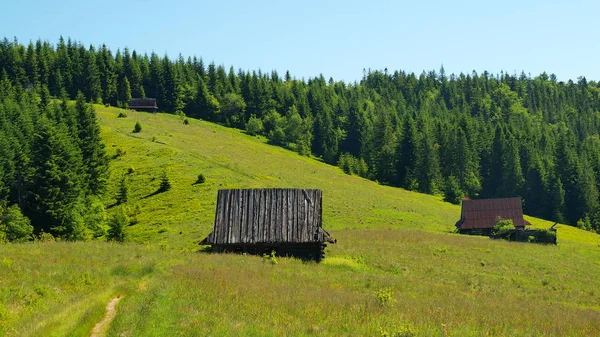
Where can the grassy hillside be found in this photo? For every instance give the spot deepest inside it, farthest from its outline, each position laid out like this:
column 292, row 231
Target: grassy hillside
column 230, row 159
column 396, row 270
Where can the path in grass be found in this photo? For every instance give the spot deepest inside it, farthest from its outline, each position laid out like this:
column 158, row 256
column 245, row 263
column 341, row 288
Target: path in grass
column 111, row 311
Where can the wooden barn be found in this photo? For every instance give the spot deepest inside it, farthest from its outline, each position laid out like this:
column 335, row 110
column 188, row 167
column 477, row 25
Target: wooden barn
column 143, row 104
column 478, row 217
column 288, row 221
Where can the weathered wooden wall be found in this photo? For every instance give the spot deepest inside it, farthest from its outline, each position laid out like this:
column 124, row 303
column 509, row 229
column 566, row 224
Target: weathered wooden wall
column 278, row 215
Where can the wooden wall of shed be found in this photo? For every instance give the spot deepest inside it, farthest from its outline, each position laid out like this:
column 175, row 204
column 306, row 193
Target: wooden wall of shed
column 279, row 215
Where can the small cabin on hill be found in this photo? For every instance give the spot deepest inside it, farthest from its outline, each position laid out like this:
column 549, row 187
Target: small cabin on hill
column 143, row 104
column 288, row 221
column 478, row 217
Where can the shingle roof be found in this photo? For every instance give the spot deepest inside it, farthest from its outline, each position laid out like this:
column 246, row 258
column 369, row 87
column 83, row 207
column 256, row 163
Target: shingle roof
column 483, row 213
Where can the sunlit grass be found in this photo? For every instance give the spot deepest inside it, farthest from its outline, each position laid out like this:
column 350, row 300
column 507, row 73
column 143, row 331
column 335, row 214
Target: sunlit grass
column 390, row 241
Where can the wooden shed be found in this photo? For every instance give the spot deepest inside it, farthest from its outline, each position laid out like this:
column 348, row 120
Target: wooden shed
column 479, row 216
column 288, row 221
column 143, row 104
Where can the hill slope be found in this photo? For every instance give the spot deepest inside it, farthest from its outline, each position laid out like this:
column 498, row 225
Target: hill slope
column 231, row 159
column 396, row 269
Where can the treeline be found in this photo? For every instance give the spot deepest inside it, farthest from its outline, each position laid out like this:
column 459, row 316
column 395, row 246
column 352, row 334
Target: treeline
column 467, row 135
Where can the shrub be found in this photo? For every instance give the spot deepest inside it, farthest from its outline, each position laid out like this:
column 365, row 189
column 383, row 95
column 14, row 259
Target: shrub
column 270, row 257
column 502, row 226
column 186, row 121
column 137, row 128
column 385, row 297
column 122, row 115
column 95, row 218
column 254, row 126
column 353, row 165
column 120, row 153
column 45, row 237
column 277, row 136
column 116, row 230
column 14, row 225
column 201, row 179
column 546, row 235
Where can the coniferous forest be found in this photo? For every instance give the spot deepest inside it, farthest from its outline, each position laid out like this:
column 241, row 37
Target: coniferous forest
column 467, row 135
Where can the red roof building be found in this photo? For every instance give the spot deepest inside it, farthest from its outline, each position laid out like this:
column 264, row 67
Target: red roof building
column 481, row 215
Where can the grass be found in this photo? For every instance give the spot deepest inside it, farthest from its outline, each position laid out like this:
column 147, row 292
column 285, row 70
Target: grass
column 396, row 269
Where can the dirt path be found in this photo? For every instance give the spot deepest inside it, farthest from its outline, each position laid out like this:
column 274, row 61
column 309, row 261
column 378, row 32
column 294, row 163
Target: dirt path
column 98, row 330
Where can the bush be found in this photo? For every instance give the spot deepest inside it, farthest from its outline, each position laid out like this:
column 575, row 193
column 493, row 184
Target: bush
column 277, row 136
column 45, row 237
column 120, row 152
column 254, row 126
column 186, row 122
column 122, row 115
column 95, row 218
column 201, row 179
column 385, row 297
column 353, row 165
column 137, row 128
column 15, row 226
column 116, row 229
column 502, row 226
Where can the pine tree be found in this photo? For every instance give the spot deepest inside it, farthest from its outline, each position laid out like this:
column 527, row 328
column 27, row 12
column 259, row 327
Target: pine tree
column 123, row 195
column 93, row 84
column 124, row 95
column 427, row 170
column 511, row 176
column 95, row 161
column 386, row 149
column 57, row 191
column 407, row 155
column 205, row 105
column 165, row 183
column 452, row 192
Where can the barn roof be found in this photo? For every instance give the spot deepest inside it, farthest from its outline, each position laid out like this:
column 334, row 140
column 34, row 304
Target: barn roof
column 268, row 216
column 483, row 213
column 143, row 103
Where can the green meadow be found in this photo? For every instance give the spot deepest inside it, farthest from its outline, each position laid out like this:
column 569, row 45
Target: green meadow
column 397, row 269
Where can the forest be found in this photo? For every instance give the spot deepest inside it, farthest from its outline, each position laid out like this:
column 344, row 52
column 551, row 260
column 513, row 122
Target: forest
column 461, row 136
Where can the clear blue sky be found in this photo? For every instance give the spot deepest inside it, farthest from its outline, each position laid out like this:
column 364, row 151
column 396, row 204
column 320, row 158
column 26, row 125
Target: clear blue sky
column 335, row 38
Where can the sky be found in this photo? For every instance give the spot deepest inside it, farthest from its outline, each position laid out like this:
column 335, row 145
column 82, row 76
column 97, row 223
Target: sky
column 338, row 39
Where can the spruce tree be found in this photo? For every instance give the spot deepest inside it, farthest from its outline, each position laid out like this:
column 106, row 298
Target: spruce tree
column 407, row 154
column 57, row 189
column 95, row 161
column 124, row 95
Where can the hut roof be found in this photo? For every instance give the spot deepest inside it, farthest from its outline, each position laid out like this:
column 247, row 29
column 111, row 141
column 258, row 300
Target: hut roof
column 483, row 213
column 268, row 216
column 143, row 103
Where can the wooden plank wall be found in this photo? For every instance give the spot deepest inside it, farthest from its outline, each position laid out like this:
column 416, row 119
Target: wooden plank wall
column 277, row 215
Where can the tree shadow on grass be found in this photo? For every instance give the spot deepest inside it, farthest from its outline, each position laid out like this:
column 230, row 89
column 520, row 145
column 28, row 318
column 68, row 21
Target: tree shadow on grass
column 159, row 191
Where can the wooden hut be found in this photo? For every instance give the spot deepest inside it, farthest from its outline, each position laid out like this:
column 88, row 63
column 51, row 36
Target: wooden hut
column 288, row 221
column 143, row 104
column 478, row 217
